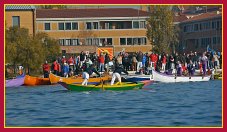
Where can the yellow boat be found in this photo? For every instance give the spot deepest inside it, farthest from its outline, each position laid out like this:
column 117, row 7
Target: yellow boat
column 55, row 79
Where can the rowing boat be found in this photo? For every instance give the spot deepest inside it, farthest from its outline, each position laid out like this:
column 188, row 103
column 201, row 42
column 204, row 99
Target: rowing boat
column 162, row 77
column 16, row 82
column 32, row 81
column 115, row 87
column 55, row 79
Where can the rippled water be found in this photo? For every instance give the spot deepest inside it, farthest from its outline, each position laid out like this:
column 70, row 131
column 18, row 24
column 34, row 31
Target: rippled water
column 176, row 104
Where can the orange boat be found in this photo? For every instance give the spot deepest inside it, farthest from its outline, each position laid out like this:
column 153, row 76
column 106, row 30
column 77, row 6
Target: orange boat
column 55, row 79
column 32, row 81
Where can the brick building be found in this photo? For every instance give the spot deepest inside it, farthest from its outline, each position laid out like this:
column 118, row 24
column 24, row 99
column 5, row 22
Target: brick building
column 22, row 16
column 201, row 31
column 124, row 29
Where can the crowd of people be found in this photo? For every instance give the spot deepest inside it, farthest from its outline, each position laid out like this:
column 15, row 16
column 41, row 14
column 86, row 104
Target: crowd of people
column 180, row 64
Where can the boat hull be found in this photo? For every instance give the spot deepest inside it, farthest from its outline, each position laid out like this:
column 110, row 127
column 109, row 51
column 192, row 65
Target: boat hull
column 161, row 77
column 123, row 86
column 136, row 78
column 15, row 82
column 32, row 81
column 55, row 79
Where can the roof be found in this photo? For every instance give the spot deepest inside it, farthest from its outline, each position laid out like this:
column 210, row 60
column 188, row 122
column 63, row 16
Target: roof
column 204, row 16
column 180, row 18
column 92, row 12
column 19, row 7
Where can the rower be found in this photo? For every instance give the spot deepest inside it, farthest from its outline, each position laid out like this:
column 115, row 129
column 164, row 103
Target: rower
column 87, row 72
column 117, row 74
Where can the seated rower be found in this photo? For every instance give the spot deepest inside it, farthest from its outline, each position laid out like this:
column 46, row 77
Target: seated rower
column 87, row 72
column 116, row 74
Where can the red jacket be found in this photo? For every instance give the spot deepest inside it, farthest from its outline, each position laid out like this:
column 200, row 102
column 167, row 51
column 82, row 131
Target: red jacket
column 101, row 59
column 55, row 66
column 46, row 67
column 164, row 60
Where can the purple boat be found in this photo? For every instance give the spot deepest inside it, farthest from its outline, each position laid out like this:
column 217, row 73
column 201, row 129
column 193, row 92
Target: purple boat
column 15, row 82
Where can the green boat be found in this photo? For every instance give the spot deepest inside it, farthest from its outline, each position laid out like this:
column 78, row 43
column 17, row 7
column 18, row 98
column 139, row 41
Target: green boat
column 100, row 87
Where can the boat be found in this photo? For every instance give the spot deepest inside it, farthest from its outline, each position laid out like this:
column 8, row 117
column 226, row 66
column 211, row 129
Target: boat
column 162, row 77
column 136, row 78
column 99, row 87
column 16, row 82
column 218, row 76
column 32, row 81
column 55, row 79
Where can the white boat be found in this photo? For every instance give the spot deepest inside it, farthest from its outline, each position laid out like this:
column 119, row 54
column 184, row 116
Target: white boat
column 162, row 77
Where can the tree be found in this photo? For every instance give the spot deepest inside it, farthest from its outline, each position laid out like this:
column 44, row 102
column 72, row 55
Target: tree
column 160, row 29
column 28, row 51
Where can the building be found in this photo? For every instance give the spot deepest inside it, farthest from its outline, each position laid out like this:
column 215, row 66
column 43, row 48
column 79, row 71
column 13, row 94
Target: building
column 201, row 32
column 22, row 16
column 78, row 30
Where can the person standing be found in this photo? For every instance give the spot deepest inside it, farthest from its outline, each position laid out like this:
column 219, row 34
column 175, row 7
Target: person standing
column 101, row 63
column 164, row 62
column 139, row 63
column 204, row 60
column 117, row 74
column 46, row 70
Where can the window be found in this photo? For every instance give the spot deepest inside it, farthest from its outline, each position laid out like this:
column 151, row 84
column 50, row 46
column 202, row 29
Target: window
column 196, row 27
column 219, row 26
column 68, row 42
column 135, row 41
column 95, row 25
column 129, row 41
column 74, row 26
column 16, row 21
column 136, row 24
column 143, row 41
column 109, row 41
column 61, row 26
column 122, row 41
column 107, row 25
column 142, row 24
column 197, row 43
column 61, row 42
column 89, row 41
column 75, row 41
column 214, row 40
column 47, row 26
column 88, row 25
column 68, row 26
column 205, row 42
column 96, row 41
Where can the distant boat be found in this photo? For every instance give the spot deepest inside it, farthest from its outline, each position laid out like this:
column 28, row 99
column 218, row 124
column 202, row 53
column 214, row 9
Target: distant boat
column 16, row 82
column 32, row 81
column 162, row 77
column 99, row 87
column 55, row 79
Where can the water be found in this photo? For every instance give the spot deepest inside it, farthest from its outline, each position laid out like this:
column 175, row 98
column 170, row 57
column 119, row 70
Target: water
column 177, row 104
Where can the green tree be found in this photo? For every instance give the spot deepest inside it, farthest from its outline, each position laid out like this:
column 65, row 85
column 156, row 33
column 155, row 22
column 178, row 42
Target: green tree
column 160, row 29
column 28, row 51
column 51, row 46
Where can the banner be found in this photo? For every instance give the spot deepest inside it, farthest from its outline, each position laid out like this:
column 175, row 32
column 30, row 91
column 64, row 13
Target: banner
column 106, row 50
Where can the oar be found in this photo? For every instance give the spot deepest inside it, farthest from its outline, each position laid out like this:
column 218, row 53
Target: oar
column 102, row 85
